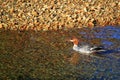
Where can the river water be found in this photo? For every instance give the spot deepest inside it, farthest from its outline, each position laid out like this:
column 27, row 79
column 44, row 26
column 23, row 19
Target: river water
column 30, row 55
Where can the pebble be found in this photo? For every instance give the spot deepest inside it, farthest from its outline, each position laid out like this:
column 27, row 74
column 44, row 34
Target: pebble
column 0, row 25
column 45, row 15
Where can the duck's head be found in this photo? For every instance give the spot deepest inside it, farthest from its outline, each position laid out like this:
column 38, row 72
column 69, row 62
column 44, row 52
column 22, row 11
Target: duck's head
column 74, row 40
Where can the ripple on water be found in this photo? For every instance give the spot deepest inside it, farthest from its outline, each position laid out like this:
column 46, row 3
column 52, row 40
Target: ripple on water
column 44, row 53
column 106, row 67
column 107, row 32
column 107, row 43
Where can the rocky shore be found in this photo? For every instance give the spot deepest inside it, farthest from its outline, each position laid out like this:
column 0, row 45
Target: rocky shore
column 58, row 14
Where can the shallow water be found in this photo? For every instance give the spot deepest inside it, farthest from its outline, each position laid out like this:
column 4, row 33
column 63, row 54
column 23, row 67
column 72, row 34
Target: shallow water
column 48, row 55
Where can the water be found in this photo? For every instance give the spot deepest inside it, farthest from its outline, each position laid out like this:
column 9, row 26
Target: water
column 48, row 55
column 108, row 32
column 107, row 68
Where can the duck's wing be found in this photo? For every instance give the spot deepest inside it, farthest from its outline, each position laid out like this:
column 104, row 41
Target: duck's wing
column 97, row 48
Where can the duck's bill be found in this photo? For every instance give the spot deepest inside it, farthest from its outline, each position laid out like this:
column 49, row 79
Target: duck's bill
column 71, row 40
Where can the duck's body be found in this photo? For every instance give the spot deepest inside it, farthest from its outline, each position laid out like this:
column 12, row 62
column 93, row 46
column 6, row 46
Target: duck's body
column 86, row 49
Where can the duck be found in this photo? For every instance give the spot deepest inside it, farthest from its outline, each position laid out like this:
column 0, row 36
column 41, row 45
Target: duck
column 85, row 49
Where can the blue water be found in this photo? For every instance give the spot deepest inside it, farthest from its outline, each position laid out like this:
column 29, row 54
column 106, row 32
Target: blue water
column 105, row 42
column 105, row 34
column 108, row 66
column 108, row 32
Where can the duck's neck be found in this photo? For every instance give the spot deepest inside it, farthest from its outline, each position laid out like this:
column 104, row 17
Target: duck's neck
column 75, row 47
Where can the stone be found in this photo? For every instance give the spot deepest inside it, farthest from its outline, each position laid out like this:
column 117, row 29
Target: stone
column 1, row 25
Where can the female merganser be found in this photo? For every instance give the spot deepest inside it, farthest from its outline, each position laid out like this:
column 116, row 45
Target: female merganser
column 85, row 49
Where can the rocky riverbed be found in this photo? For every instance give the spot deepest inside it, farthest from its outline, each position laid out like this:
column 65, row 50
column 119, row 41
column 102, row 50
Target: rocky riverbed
column 58, row 14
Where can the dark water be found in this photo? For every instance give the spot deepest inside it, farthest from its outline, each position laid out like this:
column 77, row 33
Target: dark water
column 29, row 55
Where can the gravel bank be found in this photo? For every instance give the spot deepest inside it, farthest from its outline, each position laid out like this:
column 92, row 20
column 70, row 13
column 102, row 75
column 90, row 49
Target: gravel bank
column 58, row 14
